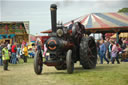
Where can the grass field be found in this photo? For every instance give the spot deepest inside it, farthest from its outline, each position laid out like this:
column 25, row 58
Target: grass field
column 106, row 74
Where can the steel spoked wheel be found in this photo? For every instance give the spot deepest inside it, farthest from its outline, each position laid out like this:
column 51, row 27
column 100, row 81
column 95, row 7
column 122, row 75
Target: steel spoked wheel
column 69, row 62
column 88, row 53
column 38, row 63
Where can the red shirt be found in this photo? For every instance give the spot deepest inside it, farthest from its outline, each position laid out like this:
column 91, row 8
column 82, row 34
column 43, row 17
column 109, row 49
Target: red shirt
column 13, row 49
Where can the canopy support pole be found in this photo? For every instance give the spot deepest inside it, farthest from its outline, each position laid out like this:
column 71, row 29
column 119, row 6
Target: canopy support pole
column 117, row 37
column 94, row 35
column 103, row 36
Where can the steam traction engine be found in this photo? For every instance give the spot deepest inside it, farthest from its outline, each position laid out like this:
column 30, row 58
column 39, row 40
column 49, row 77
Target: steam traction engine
column 66, row 47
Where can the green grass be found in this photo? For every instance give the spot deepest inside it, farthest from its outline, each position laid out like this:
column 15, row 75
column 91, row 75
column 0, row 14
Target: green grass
column 106, row 74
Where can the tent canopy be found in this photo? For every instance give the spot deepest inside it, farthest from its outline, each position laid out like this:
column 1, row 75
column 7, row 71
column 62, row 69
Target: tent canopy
column 102, row 22
column 122, row 35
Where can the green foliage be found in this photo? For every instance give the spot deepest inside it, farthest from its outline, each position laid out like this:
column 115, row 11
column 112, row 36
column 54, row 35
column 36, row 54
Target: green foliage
column 123, row 10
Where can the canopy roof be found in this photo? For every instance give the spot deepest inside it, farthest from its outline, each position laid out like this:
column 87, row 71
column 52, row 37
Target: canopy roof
column 102, row 22
column 123, row 35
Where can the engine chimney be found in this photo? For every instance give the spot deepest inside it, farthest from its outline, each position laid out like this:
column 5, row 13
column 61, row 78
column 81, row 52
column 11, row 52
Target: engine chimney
column 53, row 9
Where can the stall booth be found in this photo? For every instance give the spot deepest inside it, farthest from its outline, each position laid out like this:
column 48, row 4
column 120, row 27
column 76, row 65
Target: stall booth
column 14, row 32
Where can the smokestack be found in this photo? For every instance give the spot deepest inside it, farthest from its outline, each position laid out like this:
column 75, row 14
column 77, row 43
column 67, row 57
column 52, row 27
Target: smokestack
column 53, row 9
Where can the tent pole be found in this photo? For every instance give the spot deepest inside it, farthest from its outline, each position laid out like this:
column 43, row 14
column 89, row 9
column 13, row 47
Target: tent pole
column 103, row 36
column 117, row 37
column 94, row 35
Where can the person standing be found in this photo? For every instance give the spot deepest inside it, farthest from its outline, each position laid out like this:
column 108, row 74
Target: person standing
column 110, row 50
column 107, row 43
column 18, row 53
column 33, row 50
column 1, row 62
column 114, row 53
column 9, row 47
column 14, row 49
column 39, row 44
column 25, row 51
column 5, row 57
column 123, row 46
column 103, row 52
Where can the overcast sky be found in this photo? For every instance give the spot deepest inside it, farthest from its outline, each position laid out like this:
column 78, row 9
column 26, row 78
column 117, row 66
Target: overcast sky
column 38, row 14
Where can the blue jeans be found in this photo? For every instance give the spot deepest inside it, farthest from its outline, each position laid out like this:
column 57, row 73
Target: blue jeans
column 13, row 58
column 1, row 61
column 102, row 55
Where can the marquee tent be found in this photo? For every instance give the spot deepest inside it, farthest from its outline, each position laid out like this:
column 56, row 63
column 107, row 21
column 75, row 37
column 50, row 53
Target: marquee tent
column 102, row 22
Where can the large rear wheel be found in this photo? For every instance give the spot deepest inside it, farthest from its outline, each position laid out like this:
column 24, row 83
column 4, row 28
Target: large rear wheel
column 88, row 53
column 38, row 62
column 69, row 62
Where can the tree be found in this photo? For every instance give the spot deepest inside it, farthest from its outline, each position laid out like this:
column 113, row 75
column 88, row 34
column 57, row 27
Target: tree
column 123, row 10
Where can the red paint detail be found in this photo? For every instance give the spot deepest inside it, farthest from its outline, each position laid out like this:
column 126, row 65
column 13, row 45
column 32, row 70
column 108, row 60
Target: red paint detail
column 52, row 48
column 70, row 31
column 51, row 41
column 43, row 39
column 47, row 31
column 52, row 63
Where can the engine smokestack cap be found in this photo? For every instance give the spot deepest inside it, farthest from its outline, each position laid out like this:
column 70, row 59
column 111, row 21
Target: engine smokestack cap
column 53, row 6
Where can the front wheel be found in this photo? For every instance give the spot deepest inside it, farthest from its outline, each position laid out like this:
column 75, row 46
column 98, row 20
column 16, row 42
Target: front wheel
column 69, row 62
column 38, row 63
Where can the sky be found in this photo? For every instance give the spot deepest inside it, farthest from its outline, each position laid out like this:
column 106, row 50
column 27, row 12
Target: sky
column 37, row 12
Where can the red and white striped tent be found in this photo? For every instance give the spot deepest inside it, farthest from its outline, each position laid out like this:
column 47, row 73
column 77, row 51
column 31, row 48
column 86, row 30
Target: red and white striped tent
column 102, row 22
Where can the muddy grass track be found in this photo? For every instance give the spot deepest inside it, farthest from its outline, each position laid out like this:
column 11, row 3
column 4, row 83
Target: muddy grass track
column 23, row 74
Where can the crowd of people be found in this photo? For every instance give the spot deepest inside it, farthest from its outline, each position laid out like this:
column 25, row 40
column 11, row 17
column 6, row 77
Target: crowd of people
column 107, row 50
column 110, row 50
column 10, row 53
